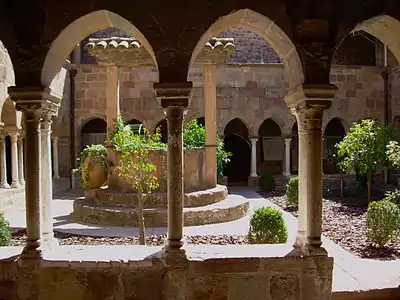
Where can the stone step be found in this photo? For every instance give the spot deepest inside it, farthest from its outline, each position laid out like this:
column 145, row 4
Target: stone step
column 232, row 208
column 155, row 200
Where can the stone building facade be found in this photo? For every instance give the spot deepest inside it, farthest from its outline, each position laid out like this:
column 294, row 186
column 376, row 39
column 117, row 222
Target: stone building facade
column 251, row 87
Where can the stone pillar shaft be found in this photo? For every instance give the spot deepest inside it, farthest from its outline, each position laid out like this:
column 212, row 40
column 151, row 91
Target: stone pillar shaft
column 210, row 108
column 32, row 185
column 112, row 94
column 287, row 157
column 55, row 157
column 46, row 181
column 175, row 114
column 14, row 160
column 3, row 163
column 310, row 178
column 21, row 161
column 253, row 157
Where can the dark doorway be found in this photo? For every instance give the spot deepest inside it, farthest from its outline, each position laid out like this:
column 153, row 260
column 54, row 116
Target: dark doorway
column 238, row 169
column 8, row 159
column 334, row 133
column 94, row 132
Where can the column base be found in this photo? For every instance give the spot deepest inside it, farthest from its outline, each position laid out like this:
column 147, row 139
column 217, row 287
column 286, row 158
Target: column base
column 254, row 181
column 15, row 185
column 49, row 242
column 32, row 250
column 303, row 247
column 22, row 182
column 4, row 185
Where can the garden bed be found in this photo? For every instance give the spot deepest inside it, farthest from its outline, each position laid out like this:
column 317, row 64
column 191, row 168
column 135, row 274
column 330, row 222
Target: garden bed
column 344, row 223
column 153, row 240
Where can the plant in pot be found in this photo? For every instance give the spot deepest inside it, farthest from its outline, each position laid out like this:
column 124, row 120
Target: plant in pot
column 93, row 166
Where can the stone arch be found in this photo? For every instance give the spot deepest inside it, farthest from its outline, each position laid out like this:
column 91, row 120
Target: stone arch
column 93, row 131
column 10, row 118
column 270, row 147
column 237, row 126
column 75, row 32
column 268, row 30
column 334, row 132
column 343, row 123
column 386, row 29
column 134, row 121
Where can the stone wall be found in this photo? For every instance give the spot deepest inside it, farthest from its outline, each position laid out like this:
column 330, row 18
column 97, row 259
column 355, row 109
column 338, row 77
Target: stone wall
column 198, row 278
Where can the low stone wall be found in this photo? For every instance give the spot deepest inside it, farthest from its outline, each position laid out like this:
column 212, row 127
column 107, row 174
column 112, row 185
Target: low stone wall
column 194, row 171
column 202, row 276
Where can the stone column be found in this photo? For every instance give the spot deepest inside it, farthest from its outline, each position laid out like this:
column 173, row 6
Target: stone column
column 253, row 178
column 21, row 161
column 210, row 109
column 14, row 159
column 46, row 183
column 113, row 112
column 288, row 140
column 175, row 109
column 34, row 102
column 3, row 163
column 55, row 157
column 308, row 109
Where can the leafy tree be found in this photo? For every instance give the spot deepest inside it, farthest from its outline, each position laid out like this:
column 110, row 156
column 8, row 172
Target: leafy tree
column 393, row 153
column 363, row 149
column 137, row 166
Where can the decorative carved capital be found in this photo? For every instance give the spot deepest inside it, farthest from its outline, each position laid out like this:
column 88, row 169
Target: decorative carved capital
column 173, row 94
column 319, row 95
column 36, row 103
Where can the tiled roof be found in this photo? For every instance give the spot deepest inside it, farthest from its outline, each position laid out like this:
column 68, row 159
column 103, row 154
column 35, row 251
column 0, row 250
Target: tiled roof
column 220, row 43
column 113, row 42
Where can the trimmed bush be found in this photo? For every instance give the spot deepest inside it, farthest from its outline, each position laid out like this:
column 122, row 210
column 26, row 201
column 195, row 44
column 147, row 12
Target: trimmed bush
column 393, row 196
column 5, row 231
column 383, row 221
column 267, row 181
column 292, row 191
column 267, row 226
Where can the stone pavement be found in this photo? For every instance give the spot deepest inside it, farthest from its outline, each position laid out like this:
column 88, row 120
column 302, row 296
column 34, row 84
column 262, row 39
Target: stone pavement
column 350, row 272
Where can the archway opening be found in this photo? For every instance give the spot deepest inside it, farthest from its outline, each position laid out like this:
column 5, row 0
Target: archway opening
column 201, row 121
column 334, row 133
column 236, row 142
column 271, row 147
column 8, row 159
column 93, row 132
column 162, row 126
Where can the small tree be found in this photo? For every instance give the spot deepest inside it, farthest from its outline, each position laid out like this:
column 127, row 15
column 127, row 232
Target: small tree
column 138, row 167
column 363, row 149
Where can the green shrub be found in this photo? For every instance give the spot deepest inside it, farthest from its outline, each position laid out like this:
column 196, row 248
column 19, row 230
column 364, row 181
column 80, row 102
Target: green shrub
column 5, row 231
column 393, row 196
column 267, row 181
column 383, row 221
column 292, row 191
column 267, row 226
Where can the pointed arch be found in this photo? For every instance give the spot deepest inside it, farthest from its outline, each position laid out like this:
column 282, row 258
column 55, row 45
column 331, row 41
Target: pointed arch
column 75, row 32
column 237, row 126
column 386, row 29
column 268, row 30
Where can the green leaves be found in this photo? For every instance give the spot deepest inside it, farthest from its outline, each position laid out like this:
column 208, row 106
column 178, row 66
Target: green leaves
column 5, row 232
column 363, row 149
column 383, row 221
column 292, row 191
column 267, row 226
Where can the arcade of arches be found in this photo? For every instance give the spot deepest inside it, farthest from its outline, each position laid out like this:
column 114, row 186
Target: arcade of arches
column 279, row 87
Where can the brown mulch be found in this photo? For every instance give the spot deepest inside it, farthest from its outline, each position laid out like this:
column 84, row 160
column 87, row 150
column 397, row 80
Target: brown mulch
column 153, row 240
column 344, row 223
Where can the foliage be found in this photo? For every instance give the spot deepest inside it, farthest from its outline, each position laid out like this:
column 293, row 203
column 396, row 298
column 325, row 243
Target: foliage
column 267, row 181
column 267, row 226
column 124, row 139
column 98, row 155
column 194, row 136
column 393, row 196
column 383, row 221
column 393, row 153
column 5, row 231
column 135, row 165
column 292, row 191
column 363, row 149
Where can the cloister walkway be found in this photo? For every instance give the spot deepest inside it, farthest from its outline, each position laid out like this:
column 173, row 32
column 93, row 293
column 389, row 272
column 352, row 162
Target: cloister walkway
column 350, row 272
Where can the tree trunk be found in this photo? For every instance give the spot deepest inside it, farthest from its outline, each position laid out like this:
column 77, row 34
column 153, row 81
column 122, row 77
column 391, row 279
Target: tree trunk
column 369, row 184
column 142, row 238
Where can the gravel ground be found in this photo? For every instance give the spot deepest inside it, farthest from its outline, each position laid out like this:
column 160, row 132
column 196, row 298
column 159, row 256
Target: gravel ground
column 154, row 240
column 344, row 223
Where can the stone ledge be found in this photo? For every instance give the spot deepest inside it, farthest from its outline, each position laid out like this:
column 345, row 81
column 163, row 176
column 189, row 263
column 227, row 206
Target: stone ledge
column 229, row 209
column 156, row 200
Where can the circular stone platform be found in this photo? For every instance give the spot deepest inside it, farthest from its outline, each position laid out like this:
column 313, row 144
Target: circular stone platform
column 103, row 207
